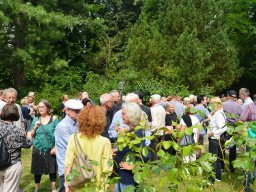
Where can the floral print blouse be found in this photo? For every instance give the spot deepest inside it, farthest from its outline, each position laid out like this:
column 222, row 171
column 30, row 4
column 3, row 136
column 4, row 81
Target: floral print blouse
column 14, row 139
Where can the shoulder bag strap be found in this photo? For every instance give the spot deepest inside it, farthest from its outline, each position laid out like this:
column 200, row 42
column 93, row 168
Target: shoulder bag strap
column 225, row 118
column 78, row 146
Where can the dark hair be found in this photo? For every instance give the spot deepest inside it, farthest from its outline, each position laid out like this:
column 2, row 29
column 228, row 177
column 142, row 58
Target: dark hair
column 10, row 112
column 140, row 94
column 200, row 98
column 85, row 101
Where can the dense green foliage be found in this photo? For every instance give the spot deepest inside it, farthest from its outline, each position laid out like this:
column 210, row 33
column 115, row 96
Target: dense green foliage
column 161, row 46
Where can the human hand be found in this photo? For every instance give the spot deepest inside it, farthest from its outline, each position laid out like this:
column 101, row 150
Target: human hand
column 38, row 123
column 53, row 151
column 114, row 152
column 126, row 166
column 170, row 128
column 116, row 128
column 210, row 134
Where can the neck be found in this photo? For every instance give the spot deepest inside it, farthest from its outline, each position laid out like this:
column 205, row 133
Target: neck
column 44, row 115
column 8, row 121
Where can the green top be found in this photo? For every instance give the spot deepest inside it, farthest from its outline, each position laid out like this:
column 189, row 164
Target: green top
column 40, row 141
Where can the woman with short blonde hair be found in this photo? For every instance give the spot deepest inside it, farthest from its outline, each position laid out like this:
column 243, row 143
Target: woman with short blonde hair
column 217, row 128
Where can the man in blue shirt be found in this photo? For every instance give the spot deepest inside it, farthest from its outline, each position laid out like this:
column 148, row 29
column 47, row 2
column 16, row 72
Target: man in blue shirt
column 63, row 131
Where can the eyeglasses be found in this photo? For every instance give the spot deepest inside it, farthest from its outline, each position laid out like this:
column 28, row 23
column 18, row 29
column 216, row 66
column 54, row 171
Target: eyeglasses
column 41, row 107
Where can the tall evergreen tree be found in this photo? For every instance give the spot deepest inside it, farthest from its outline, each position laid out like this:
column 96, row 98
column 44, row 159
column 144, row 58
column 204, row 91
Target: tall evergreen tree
column 32, row 35
column 184, row 43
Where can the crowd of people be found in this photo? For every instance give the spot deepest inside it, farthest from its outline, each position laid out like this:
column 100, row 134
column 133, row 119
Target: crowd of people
column 53, row 138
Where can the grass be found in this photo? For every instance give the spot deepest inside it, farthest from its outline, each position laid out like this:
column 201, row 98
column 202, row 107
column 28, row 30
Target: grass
column 27, row 180
column 229, row 181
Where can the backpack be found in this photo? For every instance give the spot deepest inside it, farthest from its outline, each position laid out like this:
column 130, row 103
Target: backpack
column 5, row 157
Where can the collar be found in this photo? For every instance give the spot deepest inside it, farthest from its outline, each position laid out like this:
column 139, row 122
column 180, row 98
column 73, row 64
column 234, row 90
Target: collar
column 71, row 121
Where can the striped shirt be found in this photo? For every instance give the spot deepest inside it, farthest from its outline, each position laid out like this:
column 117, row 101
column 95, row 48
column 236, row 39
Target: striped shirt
column 249, row 113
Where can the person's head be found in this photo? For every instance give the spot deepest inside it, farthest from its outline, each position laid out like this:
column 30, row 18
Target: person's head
column 169, row 107
column 231, row 94
column 155, row 99
column 244, row 93
column 132, row 97
column 44, row 107
column 10, row 95
column 188, row 109
column 91, row 121
column 85, row 95
column 86, row 102
column 254, row 97
column 179, row 99
column 106, row 100
column 201, row 99
column 1, row 94
column 186, row 100
column 79, row 96
column 192, row 98
column 31, row 97
column 73, row 107
column 64, row 98
column 10, row 112
column 216, row 101
column 140, row 94
column 24, row 101
column 131, row 113
column 115, row 95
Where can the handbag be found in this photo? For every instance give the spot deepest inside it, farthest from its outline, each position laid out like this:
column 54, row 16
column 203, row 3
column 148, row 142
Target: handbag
column 82, row 169
column 187, row 139
column 5, row 157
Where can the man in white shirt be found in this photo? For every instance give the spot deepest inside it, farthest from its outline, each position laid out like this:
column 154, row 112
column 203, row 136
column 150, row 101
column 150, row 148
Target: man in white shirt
column 158, row 121
column 157, row 113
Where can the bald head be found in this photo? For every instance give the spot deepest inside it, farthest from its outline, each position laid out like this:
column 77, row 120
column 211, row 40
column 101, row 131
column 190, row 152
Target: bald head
column 132, row 97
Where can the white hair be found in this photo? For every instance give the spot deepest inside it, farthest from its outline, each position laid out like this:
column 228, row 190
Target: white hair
column 133, row 112
column 105, row 98
column 114, row 92
column 245, row 91
column 10, row 90
column 131, row 97
column 85, row 95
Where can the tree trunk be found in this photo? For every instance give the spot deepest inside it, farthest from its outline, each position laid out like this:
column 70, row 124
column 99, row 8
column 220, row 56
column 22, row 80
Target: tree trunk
column 18, row 67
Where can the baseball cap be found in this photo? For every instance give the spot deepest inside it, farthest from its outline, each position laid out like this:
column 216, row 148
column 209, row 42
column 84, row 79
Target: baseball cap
column 232, row 93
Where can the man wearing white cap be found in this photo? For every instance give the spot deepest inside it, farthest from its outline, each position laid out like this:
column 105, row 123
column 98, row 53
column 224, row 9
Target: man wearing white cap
column 63, row 131
column 157, row 112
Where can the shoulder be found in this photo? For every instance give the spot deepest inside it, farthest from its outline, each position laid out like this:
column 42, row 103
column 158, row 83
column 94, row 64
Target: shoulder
column 194, row 119
column 55, row 117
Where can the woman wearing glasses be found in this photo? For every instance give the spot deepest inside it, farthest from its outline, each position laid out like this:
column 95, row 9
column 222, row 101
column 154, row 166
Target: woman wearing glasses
column 43, row 154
